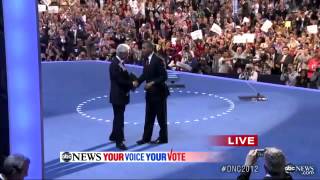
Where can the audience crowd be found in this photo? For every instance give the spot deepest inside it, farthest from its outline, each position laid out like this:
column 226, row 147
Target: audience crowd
column 92, row 29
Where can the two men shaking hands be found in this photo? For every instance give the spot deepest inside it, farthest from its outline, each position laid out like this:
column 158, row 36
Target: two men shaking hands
column 155, row 75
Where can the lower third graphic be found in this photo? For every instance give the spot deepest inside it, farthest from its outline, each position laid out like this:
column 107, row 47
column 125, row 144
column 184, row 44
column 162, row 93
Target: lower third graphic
column 231, row 168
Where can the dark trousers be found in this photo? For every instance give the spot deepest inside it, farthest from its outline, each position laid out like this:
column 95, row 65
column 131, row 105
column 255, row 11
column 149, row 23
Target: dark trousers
column 118, row 123
column 156, row 109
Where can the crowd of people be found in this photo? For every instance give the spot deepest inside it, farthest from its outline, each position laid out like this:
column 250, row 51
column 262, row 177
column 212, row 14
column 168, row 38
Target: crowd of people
column 92, row 29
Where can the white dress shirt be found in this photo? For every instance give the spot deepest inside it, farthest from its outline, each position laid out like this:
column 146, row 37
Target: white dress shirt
column 282, row 61
column 121, row 63
column 2, row 177
column 149, row 58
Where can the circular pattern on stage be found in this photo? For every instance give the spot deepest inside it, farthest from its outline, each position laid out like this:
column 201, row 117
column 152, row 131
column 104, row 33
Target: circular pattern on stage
column 230, row 108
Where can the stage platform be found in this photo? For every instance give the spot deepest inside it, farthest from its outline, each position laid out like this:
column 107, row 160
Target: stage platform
column 78, row 117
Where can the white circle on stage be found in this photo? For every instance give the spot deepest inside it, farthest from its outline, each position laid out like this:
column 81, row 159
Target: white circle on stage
column 231, row 106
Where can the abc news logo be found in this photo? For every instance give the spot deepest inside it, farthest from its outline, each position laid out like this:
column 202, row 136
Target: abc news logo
column 66, row 156
column 81, row 157
column 305, row 170
column 290, row 168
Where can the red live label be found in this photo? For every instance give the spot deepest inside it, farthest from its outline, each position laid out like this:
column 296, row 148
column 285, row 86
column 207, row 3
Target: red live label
column 235, row 140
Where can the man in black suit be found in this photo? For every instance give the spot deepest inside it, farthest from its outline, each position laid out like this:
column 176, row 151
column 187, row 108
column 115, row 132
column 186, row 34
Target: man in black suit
column 121, row 84
column 273, row 56
column 155, row 75
column 282, row 61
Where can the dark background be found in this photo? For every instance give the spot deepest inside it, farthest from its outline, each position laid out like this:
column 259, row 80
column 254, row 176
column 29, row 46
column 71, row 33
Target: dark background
column 4, row 120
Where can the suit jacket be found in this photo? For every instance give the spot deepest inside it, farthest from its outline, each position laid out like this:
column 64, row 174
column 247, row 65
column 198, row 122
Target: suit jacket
column 301, row 24
column 287, row 60
column 275, row 60
column 121, row 83
column 155, row 71
column 73, row 37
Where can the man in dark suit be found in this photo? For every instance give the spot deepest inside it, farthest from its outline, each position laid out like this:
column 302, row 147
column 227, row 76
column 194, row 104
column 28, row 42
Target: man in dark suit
column 282, row 61
column 121, row 84
column 273, row 56
column 63, row 44
column 155, row 75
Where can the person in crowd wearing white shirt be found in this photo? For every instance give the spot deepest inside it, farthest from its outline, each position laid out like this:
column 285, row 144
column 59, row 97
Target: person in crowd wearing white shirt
column 249, row 73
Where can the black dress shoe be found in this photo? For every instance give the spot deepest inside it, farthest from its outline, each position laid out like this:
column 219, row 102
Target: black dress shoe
column 121, row 146
column 159, row 141
column 140, row 142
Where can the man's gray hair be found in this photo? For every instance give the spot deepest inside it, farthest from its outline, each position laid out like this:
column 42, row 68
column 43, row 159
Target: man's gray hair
column 275, row 160
column 122, row 48
column 14, row 162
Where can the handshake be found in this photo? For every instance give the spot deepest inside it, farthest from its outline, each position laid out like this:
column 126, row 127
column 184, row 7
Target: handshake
column 135, row 82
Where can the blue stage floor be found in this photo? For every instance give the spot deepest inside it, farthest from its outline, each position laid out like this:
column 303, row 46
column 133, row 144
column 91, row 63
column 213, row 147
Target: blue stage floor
column 78, row 117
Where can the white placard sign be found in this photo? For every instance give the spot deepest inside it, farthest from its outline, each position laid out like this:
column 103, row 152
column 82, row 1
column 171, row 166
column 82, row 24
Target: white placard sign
column 249, row 37
column 197, row 34
column 53, row 9
column 216, row 28
column 266, row 26
column 42, row 8
column 313, row 29
column 238, row 39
